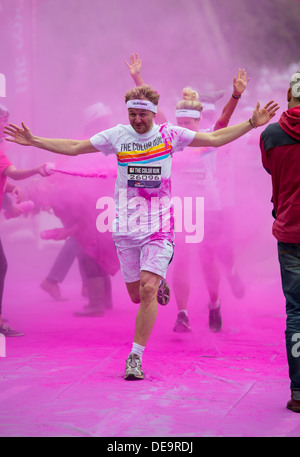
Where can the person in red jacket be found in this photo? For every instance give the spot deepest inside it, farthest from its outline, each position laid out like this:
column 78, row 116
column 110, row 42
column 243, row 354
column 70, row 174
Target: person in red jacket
column 280, row 148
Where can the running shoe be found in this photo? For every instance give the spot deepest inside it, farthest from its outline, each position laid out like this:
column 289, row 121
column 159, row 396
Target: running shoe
column 163, row 294
column 215, row 319
column 182, row 324
column 53, row 289
column 133, row 370
column 293, row 405
column 8, row 331
column 237, row 286
column 90, row 311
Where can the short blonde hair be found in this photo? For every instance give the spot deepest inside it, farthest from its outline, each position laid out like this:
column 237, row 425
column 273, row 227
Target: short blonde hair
column 190, row 100
column 143, row 92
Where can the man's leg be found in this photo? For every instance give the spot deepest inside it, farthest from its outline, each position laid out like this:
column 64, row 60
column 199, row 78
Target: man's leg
column 154, row 260
column 95, row 286
column 147, row 312
column 212, row 279
column 4, row 328
column 145, row 293
column 181, row 284
column 64, row 260
column 60, row 268
column 226, row 252
column 210, row 268
column 289, row 259
column 108, row 291
column 3, row 270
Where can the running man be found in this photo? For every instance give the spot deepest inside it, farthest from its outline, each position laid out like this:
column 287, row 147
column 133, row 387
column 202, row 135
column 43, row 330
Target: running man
column 144, row 226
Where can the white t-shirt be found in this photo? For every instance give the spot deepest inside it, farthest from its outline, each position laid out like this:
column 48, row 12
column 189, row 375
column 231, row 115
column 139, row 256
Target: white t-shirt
column 143, row 186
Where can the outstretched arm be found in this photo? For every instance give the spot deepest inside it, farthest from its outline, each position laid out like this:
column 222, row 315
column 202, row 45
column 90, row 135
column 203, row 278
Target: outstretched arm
column 135, row 66
column 24, row 137
column 228, row 134
column 239, row 85
column 17, row 174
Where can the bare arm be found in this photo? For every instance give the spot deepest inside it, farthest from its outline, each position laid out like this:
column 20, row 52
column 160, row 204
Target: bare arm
column 24, row 137
column 239, row 85
column 228, row 134
column 17, row 174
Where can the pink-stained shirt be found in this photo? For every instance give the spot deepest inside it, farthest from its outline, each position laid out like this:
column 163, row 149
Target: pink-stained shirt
column 143, row 187
column 4, row 163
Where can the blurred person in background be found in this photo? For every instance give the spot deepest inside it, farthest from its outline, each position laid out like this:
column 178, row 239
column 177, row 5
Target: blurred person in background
column 8, row 170
column 95, row 117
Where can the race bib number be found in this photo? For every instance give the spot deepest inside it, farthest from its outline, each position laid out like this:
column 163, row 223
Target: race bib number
column 145, row 177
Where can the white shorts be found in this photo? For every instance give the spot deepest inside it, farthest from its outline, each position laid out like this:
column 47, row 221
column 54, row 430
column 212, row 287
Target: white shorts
column 154, row 256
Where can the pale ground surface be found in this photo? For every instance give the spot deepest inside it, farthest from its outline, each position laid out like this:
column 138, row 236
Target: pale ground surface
column 65, row 376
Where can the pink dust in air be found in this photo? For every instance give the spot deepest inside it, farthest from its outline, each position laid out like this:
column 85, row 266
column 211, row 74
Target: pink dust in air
column 64, row 64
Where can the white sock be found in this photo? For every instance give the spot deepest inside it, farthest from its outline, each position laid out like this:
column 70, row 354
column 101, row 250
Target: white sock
column 138, row 349
column 183, row 311
column 214, row 304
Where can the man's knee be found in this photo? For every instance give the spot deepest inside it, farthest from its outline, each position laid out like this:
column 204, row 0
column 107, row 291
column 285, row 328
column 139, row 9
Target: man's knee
column 148, row 289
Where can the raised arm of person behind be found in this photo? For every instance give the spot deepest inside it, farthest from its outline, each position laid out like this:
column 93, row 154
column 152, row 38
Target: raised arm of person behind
column 239, row 85
column 260, row 116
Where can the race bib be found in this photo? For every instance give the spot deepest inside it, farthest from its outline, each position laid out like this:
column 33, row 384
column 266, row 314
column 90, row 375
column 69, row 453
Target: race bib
column 144, row 176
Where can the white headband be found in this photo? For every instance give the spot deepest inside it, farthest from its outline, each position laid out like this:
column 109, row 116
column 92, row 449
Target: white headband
column 142, row 104
column 296, row 87
column 208, row 106
column 188, row 113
